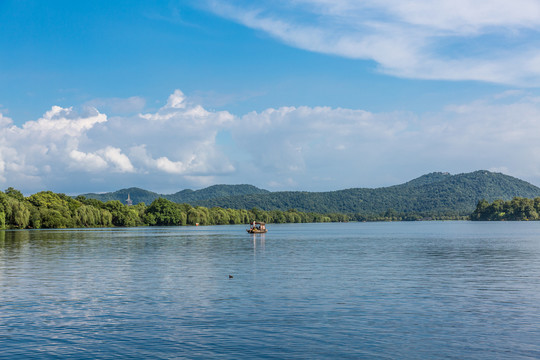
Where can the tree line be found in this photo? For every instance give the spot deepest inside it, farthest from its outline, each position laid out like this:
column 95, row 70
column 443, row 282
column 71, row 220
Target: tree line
column 47, row 210
column 517, row 209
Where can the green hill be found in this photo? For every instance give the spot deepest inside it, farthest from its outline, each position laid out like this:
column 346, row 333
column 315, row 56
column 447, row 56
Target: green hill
column 214, row 192
column 432, row 194
column 436, row 193
column 138, row 195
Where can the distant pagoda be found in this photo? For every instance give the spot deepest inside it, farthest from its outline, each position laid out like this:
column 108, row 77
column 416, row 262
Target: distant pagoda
column 129, row 202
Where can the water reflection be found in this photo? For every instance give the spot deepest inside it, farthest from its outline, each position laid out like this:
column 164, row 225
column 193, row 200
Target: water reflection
column 258, row 242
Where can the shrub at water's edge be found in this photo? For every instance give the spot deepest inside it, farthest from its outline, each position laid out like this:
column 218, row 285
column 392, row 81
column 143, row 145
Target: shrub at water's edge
column 517, row 209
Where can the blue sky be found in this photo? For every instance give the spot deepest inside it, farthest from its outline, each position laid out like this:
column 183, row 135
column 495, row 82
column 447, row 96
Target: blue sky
column 285, row 95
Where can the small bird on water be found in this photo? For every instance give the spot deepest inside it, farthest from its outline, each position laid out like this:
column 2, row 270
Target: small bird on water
column 230, row 276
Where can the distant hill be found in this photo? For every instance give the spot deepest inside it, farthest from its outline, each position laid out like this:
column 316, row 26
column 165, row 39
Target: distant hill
column 214, row 192
column 436, row 194
column 138, row 195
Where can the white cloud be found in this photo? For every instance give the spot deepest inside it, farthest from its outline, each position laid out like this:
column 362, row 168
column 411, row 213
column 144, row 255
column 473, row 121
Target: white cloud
column 171, row 167
column 67, row 148
column 60, row 123
column 287, row 148
column 4, row 120
column 189, row 116
column 453, row 40
column 28, row 151
column 120, row 161
column 465, row 16
column 321, row 147
column 176, row 100
column 87, row 161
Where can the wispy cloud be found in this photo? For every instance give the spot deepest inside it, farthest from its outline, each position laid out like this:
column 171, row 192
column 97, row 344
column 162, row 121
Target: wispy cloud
column 452, row 40
column 122, row 106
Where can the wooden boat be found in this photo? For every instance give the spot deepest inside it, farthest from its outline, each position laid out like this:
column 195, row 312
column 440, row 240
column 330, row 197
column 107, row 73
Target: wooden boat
column 257, row 228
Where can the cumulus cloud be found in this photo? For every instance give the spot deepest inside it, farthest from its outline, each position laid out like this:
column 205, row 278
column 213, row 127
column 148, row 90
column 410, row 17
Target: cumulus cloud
column 120, row 161
column 320, row 147
column 186, row 134
column 85, row 161
column 4, row 120
column 286, row 148
column 66, row 144
column 453, row 40
column 28, row 151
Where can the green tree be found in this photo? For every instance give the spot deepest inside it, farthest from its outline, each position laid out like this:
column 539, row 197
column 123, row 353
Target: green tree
column 163, row 212
column 121, row 214
column 20, row 215
column 14, row 193
column 52, row 219
column 2, row 220
column 219, row 216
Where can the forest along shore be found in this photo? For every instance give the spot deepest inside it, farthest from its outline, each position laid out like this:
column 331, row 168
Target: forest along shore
column 49, row 210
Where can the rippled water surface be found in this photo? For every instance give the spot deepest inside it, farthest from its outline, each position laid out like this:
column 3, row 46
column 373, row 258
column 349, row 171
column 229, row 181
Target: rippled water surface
column 450, row 290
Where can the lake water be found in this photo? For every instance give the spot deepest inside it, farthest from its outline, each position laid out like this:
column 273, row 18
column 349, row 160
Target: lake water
column 445, row 290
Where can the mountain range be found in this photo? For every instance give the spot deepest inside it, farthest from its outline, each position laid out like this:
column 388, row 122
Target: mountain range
column 435, row 193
